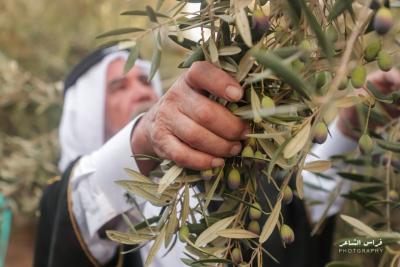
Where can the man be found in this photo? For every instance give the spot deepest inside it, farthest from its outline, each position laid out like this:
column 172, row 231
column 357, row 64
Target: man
column 100, row 101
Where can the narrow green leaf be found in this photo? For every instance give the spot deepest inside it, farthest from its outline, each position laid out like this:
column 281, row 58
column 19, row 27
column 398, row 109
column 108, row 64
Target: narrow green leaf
column 212, row 260
column 155, row 63
column 130, row 62
column 338, row 8
column 141, row 13
column 341, row 263
column 288, row 75
column 387, row 145
column 316, row 27
column 378, row 95
column 185, row 43
column 358, row 177
column 151, row 14
column 196, row 55
column 119, row 32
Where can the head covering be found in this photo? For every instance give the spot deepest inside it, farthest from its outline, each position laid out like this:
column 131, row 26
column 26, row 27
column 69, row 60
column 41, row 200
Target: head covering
column 82, row 124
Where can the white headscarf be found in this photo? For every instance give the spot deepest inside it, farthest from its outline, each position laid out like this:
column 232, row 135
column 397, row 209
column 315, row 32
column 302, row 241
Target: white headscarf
column 82, row 123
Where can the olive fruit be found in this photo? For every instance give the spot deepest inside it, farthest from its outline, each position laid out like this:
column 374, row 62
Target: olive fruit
column 358, row 76
column 255, row 213
column 393, row 195
column 260, row 22
column 305, row 46
column 320, row 79
column 251, row 142
column 287, row 234
column 372, row 49
column 267, row 102
column 385, row 61
column 247, row 154
column 236, row 255
column 259, row 161
column 234, row 179
column 254, row 227
column 287, row 195
column 343, row 84
column 332, row 34
column 184, row 233
column 321, row 133
column 366, row 144
column 298, row 65
column 383, row 20
column 232, row 107
column 207, row 175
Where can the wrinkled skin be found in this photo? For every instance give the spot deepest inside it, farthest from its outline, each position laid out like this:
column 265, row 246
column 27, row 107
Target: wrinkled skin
column 192, row 130
column 126, row 96
column 187, row 127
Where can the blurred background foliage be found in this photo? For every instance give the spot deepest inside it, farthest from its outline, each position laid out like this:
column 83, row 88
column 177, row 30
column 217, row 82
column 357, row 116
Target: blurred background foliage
column 40, row 41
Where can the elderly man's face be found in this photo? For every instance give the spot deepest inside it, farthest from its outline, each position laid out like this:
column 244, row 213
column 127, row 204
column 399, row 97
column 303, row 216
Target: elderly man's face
column 126, row 96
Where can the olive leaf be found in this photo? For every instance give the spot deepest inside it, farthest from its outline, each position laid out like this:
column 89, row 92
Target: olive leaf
column 242, row 22
column 359, row 225
column 297, row 142
column 133, row 55
column 128, row 238
column 290, row 76
column 156, row 246
column 271, row 222
column 338, row 8
column 236, row 233
column 169, row 178
column 318, row 166
column 210, row 233
column 119, row 32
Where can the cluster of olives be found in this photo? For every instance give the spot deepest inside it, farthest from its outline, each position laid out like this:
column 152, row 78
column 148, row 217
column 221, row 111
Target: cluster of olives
column 383, row 22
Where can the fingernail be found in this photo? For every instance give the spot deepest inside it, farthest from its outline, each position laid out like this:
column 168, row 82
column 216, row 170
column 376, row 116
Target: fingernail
column 245, row 132
column 217, row 162
column 235, row 150
column 233, row 92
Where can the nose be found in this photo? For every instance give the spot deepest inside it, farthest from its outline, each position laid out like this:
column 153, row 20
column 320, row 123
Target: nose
column 142, row 92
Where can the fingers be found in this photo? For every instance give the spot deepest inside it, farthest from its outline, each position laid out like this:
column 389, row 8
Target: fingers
column 205, row 76
column 213, row 116
column 185, row 156
column 201, row 139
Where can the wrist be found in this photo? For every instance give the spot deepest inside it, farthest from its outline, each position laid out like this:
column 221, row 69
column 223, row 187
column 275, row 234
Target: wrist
column 140, row 144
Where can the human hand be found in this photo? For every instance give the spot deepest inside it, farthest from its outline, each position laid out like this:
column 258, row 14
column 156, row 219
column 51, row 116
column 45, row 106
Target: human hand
column 386, row 83
column 187, row 127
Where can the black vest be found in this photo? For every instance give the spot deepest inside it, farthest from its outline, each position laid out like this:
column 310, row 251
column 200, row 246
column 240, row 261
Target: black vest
column 58, row 240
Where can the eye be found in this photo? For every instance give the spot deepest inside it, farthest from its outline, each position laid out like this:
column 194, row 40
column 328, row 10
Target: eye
column 117, row 85
column 144, row 80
